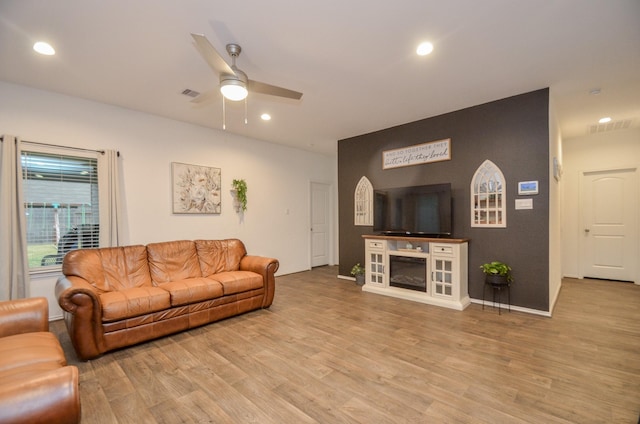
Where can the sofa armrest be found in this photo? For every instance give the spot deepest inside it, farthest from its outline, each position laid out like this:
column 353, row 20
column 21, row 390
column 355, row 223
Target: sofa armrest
column 52, row 397
column 266, row 267
column 83, row 314
column 73, row 292
column 24, row 316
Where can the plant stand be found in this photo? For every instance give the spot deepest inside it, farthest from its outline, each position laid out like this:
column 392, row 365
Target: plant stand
column 497, row 286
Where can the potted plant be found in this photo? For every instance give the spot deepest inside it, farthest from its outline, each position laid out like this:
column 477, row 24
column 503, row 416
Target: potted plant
column 358, row 272
column 497, row 272
column 240, row 189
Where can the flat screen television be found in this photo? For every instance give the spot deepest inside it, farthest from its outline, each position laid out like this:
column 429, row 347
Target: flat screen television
column 413, row 211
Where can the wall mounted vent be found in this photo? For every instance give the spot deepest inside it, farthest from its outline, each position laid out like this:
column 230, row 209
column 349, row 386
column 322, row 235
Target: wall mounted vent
column 610, row 126
column 190, row 93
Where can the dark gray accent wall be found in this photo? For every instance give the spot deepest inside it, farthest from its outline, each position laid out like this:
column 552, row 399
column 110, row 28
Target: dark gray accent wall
column 514, row 134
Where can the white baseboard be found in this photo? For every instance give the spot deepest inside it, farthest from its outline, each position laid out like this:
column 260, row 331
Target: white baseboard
column 55, row 317
column 514, row 308
column 479, row 301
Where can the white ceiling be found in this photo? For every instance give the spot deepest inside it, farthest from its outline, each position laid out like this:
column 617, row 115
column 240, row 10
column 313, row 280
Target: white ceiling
column 354, row 60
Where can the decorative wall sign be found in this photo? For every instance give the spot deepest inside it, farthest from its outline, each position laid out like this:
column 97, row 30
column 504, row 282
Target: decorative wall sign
column 196, row 189
column 418, row 154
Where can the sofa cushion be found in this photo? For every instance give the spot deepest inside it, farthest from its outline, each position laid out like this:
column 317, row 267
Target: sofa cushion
column 30, row 349
column 109, row 268
column 192, row 290
column 217, row 256
column 26, row 372
column 173, row 261
column 133, row 302
column 238, row 281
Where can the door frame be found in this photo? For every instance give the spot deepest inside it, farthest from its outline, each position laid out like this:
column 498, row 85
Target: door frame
column 332, row 220
column 581, row 224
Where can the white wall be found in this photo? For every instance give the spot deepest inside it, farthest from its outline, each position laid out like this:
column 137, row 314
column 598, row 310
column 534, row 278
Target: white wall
column 555, row 209
column 277, row 176
column 607, row 150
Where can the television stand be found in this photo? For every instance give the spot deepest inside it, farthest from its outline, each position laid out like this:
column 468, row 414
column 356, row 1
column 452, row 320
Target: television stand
column 421, row 269
column 412, row 235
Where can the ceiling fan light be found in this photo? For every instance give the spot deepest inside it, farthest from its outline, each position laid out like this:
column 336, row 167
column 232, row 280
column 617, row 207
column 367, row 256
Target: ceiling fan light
column 604, row 120
column 424, row 48
column 44, row 48
column 234, row 90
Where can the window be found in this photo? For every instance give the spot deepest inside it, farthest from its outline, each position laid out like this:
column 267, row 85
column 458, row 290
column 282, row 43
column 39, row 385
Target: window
column 60, row 202
column 488, row 197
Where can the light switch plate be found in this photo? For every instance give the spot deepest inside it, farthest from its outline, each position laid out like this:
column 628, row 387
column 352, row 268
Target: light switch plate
column 524, row 203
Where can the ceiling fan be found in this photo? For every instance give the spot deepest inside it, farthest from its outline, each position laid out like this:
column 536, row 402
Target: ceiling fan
column 234, row 84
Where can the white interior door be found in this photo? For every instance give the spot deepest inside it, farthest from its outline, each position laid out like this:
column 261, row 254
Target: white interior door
column 610, row 224
column 320, row 224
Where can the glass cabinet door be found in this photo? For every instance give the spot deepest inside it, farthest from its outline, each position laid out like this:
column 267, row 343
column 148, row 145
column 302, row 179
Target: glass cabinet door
column 442, row 277
column 375, row 273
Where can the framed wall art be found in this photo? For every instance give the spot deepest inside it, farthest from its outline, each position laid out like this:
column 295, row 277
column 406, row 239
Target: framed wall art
column 196, row 189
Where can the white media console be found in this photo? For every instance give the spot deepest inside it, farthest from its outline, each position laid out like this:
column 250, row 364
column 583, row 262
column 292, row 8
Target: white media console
column 427, row 270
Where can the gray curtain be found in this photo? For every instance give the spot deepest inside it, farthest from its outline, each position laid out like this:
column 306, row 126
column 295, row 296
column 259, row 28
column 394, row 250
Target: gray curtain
column 14, row 267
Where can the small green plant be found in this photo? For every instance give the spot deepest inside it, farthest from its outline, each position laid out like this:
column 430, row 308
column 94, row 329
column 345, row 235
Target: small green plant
column 497, row 268
column 240, row 186
column 357, row 270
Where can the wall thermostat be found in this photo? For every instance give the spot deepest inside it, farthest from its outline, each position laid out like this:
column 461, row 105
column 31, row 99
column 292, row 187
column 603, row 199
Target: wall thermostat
column 527, row 188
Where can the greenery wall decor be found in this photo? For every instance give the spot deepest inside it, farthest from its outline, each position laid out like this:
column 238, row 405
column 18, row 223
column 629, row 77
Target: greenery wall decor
column 240, row 187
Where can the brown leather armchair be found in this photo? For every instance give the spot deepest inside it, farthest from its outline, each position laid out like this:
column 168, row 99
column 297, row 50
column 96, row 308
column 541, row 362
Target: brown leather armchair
column 36, row 384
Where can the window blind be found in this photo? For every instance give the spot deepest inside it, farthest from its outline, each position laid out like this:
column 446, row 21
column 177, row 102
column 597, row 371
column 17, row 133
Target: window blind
column 61, row 205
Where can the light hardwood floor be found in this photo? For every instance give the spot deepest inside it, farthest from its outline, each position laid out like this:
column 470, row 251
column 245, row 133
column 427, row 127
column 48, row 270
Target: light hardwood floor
column 326, row 352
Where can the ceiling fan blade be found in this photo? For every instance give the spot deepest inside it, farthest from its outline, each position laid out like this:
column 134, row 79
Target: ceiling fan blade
column 204, row 97
column 272, row 90
column 211, row 55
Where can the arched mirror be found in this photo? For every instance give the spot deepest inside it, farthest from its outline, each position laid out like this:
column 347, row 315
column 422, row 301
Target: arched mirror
column 488, row 197
column 363, row 202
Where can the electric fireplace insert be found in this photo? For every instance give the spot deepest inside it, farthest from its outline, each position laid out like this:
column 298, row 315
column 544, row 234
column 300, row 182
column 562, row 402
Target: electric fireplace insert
column 408, row 273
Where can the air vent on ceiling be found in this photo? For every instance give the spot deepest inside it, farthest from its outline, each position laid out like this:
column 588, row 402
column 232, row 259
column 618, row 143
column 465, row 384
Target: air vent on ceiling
column 610, row 126
column 190, row 93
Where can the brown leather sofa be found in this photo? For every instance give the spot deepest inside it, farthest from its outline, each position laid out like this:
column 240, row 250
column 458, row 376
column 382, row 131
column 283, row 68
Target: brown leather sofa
column 36, row 384
column 119, row 296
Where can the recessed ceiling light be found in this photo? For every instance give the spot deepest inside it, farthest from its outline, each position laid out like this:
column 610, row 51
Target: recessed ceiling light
column 604, row 120
column 265, row 117
column 424, row 48
column 44, row 48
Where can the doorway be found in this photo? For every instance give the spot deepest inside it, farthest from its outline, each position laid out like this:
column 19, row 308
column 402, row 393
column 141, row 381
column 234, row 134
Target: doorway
column 320, row 224
column 609, row 224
